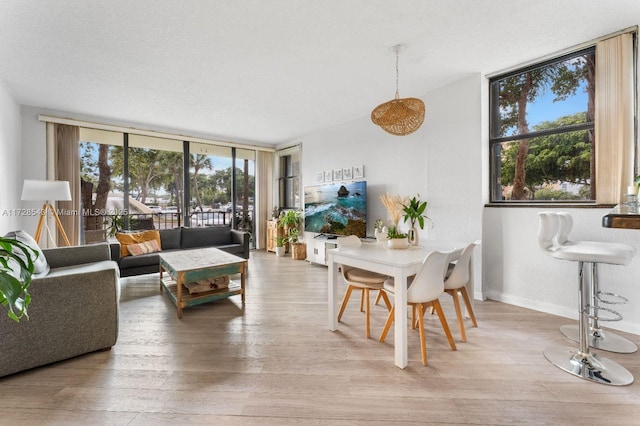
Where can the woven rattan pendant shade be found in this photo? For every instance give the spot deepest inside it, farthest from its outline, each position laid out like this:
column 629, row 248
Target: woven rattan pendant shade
column 399, row 116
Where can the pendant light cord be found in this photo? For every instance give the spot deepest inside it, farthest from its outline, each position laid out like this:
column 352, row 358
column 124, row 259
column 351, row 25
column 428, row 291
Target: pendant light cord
column 397, row 76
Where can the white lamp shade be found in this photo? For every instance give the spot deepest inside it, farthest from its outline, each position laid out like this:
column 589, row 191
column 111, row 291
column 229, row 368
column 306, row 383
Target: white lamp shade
column 41, row 190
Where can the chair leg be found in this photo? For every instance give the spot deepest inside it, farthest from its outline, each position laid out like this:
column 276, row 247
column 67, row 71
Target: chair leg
column 443, row 321
column 467, row 302
column 362, row 300
column 378, row 299
column 367, row 310
column 345, row 300
column 423, row 343
column 387, row 325
column 385, row 298
column 456, row 304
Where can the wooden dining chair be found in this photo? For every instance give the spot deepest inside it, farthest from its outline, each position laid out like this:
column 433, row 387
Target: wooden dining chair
column 423, row 291
column 360, row 279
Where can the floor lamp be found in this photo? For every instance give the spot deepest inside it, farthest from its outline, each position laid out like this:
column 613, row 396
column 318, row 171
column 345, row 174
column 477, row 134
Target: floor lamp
column 48, row 190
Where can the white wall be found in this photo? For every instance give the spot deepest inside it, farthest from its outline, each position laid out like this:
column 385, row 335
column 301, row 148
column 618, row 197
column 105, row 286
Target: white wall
column 10, row 159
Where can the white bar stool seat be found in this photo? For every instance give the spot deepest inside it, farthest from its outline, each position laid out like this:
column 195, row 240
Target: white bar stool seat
column 552, row 238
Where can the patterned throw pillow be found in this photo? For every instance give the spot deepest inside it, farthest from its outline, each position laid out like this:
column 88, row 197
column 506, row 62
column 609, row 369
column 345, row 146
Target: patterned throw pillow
column 40, row 265
column 150, row 246
column 127, row 238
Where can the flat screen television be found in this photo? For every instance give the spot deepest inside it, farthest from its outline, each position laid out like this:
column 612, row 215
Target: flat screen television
column 336, row 209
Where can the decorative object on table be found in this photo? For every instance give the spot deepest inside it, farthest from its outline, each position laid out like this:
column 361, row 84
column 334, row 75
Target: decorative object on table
column 347, row 173
column 393, row 204
column 399, row 116
column 275, row 212
column 414, row 211
column 47, row 190
column 358, row 172
column 380, row 231
column 396, row 239
column 17, row 266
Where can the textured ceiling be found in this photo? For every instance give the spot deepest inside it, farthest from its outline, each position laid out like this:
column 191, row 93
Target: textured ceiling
column 269, row 71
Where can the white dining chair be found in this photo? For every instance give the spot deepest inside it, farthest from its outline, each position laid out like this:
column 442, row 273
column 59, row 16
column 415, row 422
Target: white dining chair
column 423, row 291
column 457, row 281
column 360, row 279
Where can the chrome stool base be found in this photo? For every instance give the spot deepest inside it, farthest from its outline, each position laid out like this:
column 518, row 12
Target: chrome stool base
column 601, row 339
column 588, row 366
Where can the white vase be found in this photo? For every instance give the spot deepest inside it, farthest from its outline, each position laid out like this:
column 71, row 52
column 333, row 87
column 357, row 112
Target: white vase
column 412, row 236
column 381, row 236
column 280, row 251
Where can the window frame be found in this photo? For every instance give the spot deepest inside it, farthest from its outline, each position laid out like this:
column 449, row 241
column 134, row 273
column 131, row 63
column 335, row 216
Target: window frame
column 495, row 178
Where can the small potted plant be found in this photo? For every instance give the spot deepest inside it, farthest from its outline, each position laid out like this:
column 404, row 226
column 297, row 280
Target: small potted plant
column 280, row 248
column 413, row 211
column 298, row 247
column 396, row 239
column 380, row 231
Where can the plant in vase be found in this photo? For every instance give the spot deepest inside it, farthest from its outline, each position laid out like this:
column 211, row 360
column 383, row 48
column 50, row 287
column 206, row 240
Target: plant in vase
column 280, row 248
column 298, row 247
column 396, row 239
column 414, row 212
column 393, row 204
column 380, row 231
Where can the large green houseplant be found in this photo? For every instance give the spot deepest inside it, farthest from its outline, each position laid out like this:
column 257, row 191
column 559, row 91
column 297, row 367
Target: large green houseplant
column 16, row 271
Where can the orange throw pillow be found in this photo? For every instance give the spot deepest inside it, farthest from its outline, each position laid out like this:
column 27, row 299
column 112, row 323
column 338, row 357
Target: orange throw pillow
column 126, row 239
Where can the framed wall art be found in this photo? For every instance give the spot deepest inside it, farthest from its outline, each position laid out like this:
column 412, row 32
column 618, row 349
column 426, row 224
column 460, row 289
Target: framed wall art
column 320, row 177
column 346, row 173
column 358, row 172
column 337, row 174
column 328, row 175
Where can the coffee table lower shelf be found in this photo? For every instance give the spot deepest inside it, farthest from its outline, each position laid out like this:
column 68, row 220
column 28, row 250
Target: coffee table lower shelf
column 171, row 287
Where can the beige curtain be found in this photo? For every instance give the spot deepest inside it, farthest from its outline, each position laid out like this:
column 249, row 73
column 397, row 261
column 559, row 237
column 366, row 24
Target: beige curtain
column 264, row 196
column 614, row 118
column 66, row 148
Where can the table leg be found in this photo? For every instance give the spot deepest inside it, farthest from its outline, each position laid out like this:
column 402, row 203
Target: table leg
column 332, row 292
column 242, row 279
column 400, row 335
column 179, row 281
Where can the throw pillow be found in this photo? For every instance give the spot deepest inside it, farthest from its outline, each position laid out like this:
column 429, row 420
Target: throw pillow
column 150, row 246
column 127, row 238
column 40, row 265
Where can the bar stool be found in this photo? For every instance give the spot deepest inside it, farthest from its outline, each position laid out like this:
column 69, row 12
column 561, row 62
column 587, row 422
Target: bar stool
column 552, row 239
column 598, row 338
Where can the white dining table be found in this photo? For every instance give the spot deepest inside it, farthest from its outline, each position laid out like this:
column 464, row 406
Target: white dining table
column 396, row 263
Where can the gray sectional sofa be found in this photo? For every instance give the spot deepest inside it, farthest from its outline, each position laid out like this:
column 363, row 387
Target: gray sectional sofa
column 74, row 310
column 222, row 237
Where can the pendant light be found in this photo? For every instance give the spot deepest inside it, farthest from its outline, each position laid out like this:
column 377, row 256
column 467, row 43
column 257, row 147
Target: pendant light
column 399, row 117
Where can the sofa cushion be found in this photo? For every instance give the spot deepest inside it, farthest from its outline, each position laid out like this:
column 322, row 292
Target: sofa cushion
column 170, row 239
column 40, row 265
column 127, row 238
column 205, row 237
column 146, row 247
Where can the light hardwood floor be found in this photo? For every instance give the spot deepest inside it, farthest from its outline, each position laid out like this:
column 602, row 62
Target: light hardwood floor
column 274, row 362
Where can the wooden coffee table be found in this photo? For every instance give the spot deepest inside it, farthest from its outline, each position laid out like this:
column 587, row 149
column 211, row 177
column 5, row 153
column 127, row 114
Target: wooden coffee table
column 185, row 266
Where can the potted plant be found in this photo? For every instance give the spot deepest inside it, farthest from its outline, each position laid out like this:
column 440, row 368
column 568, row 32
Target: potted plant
column 289, row 219
column 396, row 239
column 16, row 271
column 298, row 248
column 380, row 231
column 413, row 212
column 280, row 248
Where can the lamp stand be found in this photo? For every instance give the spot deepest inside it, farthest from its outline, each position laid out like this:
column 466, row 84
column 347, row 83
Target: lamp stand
column 45, row 208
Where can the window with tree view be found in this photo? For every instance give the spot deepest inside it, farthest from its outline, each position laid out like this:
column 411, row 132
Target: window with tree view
column 542, row 131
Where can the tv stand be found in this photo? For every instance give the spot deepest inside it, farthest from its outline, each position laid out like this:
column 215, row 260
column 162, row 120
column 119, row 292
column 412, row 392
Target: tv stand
column 318, row 245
